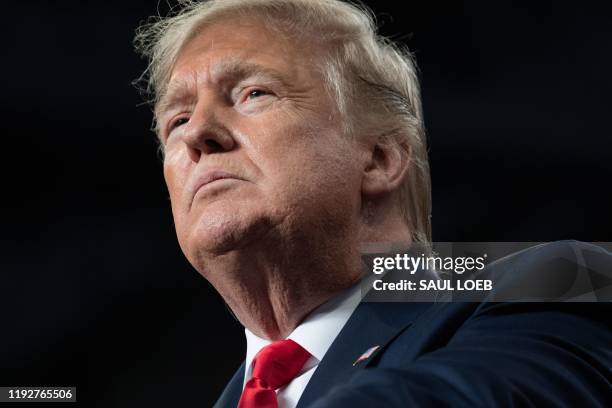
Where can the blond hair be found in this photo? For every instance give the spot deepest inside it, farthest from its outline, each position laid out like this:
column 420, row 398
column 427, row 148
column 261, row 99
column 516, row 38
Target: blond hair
column 373, row 81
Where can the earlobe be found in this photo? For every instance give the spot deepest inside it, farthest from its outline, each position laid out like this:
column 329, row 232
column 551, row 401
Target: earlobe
column 387, row 167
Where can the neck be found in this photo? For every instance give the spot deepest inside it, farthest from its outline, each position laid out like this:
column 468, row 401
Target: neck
column 272, row 284
column 271, row 287
column 382, row 221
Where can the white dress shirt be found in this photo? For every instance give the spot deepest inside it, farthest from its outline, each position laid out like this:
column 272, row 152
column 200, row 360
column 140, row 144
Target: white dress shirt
column 315, row 334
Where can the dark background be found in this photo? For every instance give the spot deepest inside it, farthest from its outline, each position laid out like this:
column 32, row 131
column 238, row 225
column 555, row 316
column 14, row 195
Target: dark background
column 95, row 292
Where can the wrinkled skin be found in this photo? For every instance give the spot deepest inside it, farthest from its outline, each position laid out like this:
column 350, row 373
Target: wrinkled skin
column 279, row 235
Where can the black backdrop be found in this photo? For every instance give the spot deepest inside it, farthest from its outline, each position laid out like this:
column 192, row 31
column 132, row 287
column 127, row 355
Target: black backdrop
column 95, row 291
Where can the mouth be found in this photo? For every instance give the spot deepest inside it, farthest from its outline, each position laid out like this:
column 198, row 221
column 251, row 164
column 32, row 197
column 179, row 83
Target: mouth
column 212, row 177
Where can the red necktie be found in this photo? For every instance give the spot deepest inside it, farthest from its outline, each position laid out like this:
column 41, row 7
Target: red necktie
column 273, row 367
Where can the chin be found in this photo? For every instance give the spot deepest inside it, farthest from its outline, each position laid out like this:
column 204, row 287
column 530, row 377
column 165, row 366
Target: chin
column 220, row 233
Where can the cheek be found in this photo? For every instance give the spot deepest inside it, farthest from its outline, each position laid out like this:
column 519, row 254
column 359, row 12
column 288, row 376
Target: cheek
column 315, row 169
column 284, row 141
column 176, row 172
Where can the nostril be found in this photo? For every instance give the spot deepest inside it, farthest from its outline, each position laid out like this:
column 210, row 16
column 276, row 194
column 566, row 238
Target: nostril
column 213, row 145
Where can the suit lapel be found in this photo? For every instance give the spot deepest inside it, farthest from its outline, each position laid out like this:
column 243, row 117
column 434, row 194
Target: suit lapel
column 231, row 394
column 371, row 325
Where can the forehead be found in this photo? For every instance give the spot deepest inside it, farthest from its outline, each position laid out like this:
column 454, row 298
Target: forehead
column 242, row 46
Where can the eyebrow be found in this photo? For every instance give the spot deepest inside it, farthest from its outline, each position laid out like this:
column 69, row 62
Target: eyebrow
column 229, row 71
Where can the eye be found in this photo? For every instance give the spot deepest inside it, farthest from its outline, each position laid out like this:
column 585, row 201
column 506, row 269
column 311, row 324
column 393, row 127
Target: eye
column 256, row 93
column 178, row 122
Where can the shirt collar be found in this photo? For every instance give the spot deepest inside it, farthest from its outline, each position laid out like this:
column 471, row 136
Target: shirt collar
column 317, row 332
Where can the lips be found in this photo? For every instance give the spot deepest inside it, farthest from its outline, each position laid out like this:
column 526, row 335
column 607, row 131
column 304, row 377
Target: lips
column 209, row 177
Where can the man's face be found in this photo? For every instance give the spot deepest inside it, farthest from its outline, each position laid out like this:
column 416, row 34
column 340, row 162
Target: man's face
column 249, row 108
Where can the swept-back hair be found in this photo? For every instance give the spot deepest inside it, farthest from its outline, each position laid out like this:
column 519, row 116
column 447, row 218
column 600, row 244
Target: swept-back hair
column 373, row 81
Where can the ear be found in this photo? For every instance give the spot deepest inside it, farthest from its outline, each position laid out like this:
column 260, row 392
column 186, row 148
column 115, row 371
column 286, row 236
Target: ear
column 387, row 167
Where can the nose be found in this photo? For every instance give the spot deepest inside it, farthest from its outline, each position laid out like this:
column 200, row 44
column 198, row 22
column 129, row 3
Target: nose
column 206, row 135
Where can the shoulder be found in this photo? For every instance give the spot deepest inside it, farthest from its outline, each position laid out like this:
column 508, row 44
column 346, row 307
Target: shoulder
column 560, row 289
column 574, row 252
column 562, row 271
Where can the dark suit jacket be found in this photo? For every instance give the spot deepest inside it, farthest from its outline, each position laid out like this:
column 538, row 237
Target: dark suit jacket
column 471, row 354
